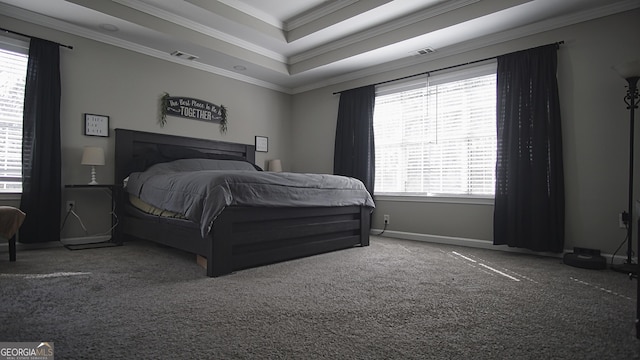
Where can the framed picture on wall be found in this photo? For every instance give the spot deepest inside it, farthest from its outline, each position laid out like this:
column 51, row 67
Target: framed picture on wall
column 96, row 125
column 262, row 143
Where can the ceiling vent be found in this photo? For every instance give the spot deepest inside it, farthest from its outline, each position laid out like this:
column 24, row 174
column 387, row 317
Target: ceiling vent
column 425, row 51
column 183, row 55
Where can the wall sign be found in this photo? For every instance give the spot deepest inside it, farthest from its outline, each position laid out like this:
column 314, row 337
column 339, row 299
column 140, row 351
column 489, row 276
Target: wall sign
column 96, row 125
column 191, row 108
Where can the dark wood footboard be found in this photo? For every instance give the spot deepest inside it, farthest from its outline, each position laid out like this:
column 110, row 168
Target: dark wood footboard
column 246, row 237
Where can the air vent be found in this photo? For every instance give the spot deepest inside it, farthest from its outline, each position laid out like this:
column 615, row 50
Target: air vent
column 183, row 55
column 425, row 51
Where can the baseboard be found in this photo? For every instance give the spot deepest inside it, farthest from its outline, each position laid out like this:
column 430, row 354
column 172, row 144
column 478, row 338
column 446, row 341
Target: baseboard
column 4, row 246
column 475, row 243
column 84, row 239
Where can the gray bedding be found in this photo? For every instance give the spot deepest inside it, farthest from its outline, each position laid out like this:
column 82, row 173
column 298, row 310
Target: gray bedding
column 201, row 188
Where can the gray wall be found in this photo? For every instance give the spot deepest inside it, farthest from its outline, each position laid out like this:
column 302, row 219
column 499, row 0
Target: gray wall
column 102, row 79
column 595, row 135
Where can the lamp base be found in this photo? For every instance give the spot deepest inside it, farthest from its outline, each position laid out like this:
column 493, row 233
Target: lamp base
column 93, row 176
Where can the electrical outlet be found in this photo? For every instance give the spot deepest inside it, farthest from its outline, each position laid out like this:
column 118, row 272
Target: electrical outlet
column 621, row 220
column 387, row 219
column 70, row 205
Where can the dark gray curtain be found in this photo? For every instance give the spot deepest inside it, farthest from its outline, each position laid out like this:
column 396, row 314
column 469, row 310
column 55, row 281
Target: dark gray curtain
column 354, row 152
column 41, row 184
column 529, row 196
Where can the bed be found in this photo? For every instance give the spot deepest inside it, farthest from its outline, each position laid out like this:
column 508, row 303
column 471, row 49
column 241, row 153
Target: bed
column 241, row 236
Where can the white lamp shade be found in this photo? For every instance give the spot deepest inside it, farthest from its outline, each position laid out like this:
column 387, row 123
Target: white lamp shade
column 275, row 165
column 628, row 69
column 92, row 156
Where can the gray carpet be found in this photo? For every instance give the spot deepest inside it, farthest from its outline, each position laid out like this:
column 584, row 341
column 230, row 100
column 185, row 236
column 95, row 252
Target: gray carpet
column 393, row 299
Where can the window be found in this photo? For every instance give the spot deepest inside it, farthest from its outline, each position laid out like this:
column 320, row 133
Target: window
column 13, row 73
column 436, row 136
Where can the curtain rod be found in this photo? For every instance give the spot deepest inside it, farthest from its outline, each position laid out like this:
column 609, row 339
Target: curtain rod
column 29, row 36
column 441, row 69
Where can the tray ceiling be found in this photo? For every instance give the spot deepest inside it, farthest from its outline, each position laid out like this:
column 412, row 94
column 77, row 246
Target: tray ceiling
column 293, row 46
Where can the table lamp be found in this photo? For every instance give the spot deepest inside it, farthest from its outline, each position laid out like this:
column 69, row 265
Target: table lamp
column 275, row 165
column 93, row 156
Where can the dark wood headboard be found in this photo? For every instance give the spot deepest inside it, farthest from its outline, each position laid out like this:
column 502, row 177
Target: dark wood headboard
column 131, row 144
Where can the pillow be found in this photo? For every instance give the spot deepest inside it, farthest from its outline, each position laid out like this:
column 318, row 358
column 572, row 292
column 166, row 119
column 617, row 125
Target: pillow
column 182, row 165
column 167, row 153
column 172, row 152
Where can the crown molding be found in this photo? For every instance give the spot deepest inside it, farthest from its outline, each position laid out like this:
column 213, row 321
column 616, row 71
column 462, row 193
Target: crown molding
column 192, row 25
column 475, row 44
column 532, row 29
column 316, row 13
column 51, row 23
column 381, row 29
column 253, row 12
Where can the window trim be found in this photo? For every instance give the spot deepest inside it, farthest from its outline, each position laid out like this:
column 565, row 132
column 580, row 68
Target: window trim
column 15, row 45
column 450, row 75
column 449, row 199
column 22, row 47
column 7, row 196
column 489, row 67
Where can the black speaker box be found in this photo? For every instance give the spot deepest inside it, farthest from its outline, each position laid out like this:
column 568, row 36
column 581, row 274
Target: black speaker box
column 585, row 258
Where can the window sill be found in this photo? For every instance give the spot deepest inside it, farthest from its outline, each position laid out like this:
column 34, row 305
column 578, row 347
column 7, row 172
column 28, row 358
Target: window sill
column 10, row 196
column 436, row 199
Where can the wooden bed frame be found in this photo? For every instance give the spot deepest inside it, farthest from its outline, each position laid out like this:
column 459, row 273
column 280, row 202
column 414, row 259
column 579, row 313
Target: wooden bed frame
column 241, row 237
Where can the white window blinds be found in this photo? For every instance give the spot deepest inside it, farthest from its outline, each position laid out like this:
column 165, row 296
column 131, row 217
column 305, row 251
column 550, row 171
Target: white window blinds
column 437, row 136
column 13, row 71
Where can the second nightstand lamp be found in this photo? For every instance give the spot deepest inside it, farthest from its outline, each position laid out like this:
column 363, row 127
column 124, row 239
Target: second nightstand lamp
column 275, row 165
column 93, row 156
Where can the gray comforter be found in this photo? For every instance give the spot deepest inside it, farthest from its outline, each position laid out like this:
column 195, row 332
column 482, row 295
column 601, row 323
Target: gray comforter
column 201, row 188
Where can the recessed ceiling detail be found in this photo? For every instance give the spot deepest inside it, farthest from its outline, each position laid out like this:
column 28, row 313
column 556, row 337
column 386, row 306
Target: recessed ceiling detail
column 109, row 27
column 183, row 55
column 295, row 46
column 425, row 51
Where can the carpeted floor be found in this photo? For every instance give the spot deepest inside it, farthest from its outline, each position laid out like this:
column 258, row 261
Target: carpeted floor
column 395, row 299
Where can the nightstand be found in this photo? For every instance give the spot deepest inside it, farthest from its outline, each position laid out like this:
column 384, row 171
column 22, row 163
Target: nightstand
column 113, row 192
